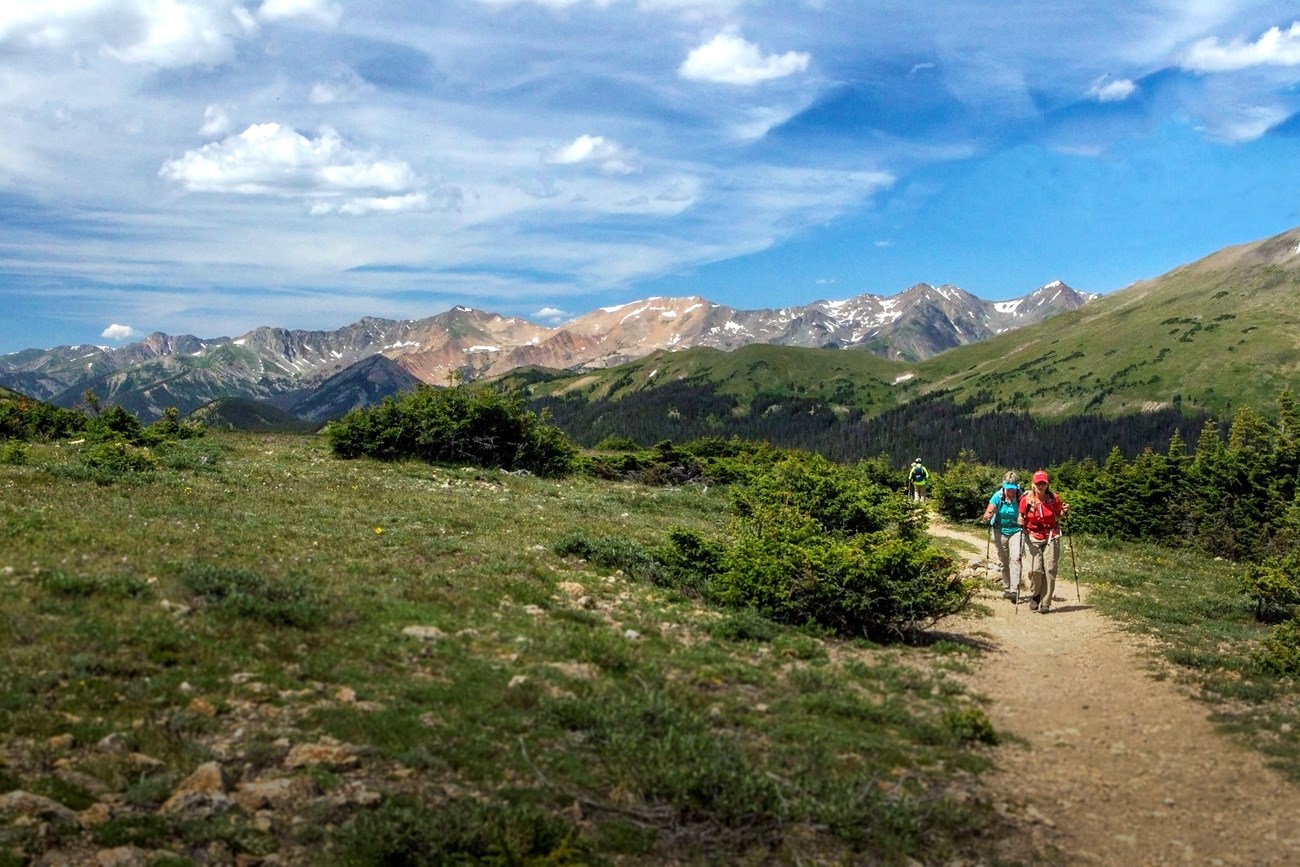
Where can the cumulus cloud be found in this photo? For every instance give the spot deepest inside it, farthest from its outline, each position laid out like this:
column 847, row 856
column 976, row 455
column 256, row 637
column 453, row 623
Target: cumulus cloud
column 272, row 160
column 118, row 332
column 164, row 33
column 611, row 157
column 552, row 315
column 1276, row 47
column 323, row 11
column 1107, row 89
column 729, row 59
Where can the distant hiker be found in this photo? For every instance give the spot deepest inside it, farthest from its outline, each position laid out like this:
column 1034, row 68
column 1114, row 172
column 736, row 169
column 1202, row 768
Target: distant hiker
column 1002, row 514
column 1040, row 513
column 918, row 477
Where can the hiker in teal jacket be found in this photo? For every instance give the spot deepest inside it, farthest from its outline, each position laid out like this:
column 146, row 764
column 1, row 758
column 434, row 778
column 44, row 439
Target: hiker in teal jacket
column 1003, row 516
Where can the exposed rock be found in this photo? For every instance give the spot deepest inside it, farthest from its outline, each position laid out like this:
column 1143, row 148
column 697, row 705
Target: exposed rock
column 36, row 807
column 334, row 755
column 425, row 633
column 201, row 795
column 275, row 793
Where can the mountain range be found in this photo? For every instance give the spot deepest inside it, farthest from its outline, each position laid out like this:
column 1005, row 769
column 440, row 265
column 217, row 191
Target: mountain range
column 317, row 375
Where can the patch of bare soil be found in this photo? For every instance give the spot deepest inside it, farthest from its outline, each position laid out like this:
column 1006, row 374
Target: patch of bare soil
column 1101, row 763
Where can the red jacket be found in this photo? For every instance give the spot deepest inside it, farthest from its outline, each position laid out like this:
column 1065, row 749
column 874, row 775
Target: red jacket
column 1040, row 517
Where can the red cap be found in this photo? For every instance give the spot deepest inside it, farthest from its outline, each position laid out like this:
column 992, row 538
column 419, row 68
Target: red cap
column 1040, row 476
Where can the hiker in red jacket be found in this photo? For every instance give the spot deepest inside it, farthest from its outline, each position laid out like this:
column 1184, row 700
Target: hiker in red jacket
column 1040, row 513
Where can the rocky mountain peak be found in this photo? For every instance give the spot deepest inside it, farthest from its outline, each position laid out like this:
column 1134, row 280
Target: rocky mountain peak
column 275, row 363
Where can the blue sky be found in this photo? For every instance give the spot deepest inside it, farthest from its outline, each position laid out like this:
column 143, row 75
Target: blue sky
column 210, row 166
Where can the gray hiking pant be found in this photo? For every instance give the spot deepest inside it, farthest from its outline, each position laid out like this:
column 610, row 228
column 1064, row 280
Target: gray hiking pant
column 1008, row 558
column 1043, row 558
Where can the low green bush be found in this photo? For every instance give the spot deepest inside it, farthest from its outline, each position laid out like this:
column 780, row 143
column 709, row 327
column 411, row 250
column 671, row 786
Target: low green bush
column 478, row 426
column 117, row 457
column 1279, row 653
column 14, row 453
column 1272, row 586
column 962, row 491
column 874, row 585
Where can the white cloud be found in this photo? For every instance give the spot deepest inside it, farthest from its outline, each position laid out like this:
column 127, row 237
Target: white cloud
column 552, row 315
column 118, row 332
column 165, row 33
column 612, row 157
column 1276, row 47
column 729, row 59
column 215, row 122
column 346, row 86
column 1107, row 89
column 325, row 12
column 274, row 160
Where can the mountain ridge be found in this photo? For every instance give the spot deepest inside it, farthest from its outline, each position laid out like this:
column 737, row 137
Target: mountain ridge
column 280, row 365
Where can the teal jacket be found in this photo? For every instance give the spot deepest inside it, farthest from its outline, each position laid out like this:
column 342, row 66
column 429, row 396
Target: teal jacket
column 1006, row 510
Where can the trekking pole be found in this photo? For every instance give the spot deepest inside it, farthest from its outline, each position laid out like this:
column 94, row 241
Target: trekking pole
column 1069, row 537
column 1019, row 566
column 988, row 545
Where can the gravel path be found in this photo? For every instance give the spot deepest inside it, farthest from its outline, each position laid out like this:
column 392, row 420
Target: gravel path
column 1104, row 763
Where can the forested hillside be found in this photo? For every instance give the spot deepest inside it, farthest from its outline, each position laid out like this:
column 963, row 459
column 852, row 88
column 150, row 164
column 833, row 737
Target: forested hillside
column 935, row 427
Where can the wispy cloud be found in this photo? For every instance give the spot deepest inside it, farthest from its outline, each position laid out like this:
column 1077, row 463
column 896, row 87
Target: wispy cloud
column 344, row 86
column 188, row 165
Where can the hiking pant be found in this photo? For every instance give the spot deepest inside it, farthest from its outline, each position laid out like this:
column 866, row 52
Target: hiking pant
column 1043, row 559
column 1008, row 558
column 918, row 492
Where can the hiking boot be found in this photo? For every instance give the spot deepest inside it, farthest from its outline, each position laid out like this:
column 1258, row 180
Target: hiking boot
column 1043, row 609
column 1012, row 595
column 1033, row 603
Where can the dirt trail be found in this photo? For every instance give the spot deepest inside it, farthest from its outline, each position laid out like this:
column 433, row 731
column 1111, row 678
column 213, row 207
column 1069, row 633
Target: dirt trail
column 1107, row 765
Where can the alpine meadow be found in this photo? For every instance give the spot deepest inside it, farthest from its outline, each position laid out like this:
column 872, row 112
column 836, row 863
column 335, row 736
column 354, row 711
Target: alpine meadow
column 680, row 610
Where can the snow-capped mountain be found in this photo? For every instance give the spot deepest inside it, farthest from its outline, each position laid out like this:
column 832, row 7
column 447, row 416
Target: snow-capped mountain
column 290, row 368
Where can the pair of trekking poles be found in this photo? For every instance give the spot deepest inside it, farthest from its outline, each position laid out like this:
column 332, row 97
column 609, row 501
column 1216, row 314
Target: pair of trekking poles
column 1069, row 539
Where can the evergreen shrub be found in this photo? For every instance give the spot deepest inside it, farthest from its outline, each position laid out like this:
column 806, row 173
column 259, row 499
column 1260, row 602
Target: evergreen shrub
column 962, row 490
column 117, row 457
column 13, row 453
column 478, row 426
column 822, row 544
column 1279, row 653
column 1272, row 586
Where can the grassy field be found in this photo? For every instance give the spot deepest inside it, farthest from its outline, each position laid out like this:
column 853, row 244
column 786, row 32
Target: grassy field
column 258, row 651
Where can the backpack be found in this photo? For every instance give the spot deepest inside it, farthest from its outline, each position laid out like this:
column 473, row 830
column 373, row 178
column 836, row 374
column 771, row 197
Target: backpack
column 918, row 473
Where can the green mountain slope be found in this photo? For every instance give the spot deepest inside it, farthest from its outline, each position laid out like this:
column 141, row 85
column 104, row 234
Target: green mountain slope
column 837, row 377
column 1213, row 335
column 243, row 414
column 1209, row 337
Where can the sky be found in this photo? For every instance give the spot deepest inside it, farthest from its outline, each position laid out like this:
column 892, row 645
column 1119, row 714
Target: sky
column 208, row 167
